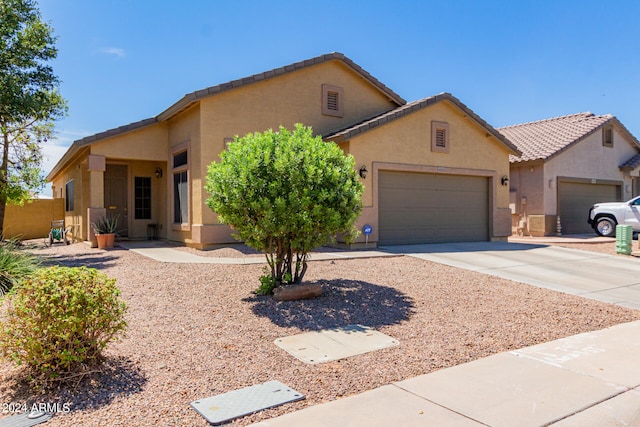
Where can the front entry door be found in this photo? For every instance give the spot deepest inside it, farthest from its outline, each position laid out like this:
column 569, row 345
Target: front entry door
column 115, row 196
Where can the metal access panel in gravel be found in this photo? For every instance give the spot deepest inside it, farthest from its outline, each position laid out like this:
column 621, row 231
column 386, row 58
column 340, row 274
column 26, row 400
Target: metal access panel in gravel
column 24, row 420
column 245, row 401
column 333, row 344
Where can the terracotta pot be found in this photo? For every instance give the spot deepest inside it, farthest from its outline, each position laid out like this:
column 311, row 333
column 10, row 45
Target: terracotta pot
column 105, row 240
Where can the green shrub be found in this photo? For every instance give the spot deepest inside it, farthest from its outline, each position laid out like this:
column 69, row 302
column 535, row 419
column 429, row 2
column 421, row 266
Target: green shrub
column 14, row 265
column 59, row 319
column 285, row 193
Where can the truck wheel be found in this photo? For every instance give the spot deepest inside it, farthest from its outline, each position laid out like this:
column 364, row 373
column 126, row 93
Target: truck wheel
column 605, row 227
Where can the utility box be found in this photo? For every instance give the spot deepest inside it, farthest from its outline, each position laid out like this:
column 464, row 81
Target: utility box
column 624, row 239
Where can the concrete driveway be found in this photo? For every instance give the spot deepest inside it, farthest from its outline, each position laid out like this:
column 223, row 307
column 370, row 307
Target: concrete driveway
column 609, row 278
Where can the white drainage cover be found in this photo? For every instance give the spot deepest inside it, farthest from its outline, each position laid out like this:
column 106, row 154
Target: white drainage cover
column 333, row 344
column 238, row 403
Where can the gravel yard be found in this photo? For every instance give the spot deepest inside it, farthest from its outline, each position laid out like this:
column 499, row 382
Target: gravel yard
column 197, row 330
column 605, row 248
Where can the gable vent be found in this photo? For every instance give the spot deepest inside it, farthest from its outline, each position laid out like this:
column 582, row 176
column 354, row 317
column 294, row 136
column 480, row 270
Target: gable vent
column 441, row 138
column 332, row 100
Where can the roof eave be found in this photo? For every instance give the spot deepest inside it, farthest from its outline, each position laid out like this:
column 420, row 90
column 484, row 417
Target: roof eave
column 191, row 98
column 78, row 144
column 68, row 155
column 372, row 123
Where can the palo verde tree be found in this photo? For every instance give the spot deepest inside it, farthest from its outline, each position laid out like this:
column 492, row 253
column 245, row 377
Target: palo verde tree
column 285, row 193
column 29, row 98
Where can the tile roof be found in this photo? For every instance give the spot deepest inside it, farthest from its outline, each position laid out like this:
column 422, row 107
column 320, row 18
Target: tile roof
column 632, row 163
column 374, row 122
column 191, row 98
column 543, row 139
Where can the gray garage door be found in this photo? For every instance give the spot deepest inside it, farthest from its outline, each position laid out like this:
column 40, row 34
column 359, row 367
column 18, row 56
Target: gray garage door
column 432, row 208
column 575, row 199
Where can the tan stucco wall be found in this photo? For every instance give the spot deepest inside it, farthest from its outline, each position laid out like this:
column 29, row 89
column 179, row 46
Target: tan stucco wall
column 149, row 143
column 138, row 227
column 588, row 159
column 33, row 219
column 76, row 172
column 405, row 144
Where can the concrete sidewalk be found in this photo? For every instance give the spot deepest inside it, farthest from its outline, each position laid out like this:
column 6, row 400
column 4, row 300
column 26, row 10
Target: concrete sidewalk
column 591, row 379
column 165, row 252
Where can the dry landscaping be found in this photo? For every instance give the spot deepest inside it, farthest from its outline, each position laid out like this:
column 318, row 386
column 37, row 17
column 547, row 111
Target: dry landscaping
column 197, row 330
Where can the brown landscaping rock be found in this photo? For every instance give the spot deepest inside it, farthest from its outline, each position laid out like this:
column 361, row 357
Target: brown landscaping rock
column 296, row 292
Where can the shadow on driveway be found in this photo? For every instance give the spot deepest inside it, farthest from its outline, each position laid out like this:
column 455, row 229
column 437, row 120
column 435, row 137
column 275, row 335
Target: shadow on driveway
column 343, row 302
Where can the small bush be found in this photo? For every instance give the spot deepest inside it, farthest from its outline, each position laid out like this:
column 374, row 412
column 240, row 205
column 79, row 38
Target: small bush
column 14, row 265
column 59, row 319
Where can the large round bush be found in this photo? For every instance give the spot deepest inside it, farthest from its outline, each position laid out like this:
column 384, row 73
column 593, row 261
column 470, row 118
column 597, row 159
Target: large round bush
column 59, row 319
column 285, row 193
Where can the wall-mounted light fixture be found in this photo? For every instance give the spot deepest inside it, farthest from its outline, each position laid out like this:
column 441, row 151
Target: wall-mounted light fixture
column 504, row 180
column 363, row 172
column 158, row 173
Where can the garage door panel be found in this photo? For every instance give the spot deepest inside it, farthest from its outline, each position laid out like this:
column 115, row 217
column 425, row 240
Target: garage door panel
column 417, row 198
column 575, row 199
column 430, row 208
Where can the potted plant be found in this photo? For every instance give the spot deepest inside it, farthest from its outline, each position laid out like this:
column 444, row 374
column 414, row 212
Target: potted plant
column 105, row 231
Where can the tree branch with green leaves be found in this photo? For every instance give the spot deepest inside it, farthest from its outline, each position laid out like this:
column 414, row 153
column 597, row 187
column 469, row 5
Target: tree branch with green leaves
column 29, row 99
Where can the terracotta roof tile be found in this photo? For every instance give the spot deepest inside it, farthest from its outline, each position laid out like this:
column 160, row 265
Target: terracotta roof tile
column 541, row 140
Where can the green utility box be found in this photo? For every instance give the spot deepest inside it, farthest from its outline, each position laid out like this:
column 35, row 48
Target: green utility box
column 624, row 239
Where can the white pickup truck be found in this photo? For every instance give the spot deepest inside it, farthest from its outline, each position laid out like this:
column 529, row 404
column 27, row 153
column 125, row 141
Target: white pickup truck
column 604, row 217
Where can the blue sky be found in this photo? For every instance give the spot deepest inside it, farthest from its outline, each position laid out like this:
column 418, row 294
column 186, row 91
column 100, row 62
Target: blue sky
column 510, row 61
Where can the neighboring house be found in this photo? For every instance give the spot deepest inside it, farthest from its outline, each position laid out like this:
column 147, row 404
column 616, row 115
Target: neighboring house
column 567, row 164
column 436, row 171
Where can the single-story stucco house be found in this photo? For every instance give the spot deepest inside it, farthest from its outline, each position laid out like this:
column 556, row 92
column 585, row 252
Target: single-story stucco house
column 436, row 171
column 568, row 163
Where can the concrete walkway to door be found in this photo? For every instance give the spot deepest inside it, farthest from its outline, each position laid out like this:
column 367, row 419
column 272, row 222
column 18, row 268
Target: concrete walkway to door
column 608, row 278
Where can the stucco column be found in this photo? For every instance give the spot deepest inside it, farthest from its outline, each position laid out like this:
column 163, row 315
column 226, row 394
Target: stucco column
column 96, row 165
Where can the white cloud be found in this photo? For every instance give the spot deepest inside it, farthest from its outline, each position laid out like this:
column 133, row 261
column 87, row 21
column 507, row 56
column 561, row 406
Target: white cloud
column 115, row 51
